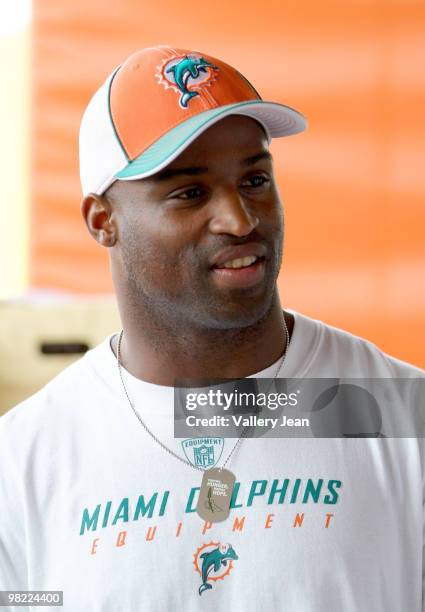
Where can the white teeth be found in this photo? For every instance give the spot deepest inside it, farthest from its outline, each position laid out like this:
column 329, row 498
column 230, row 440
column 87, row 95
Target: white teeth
column 242, row 262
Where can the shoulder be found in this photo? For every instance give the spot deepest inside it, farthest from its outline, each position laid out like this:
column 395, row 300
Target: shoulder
column 56, row 405
column 36, row 411
column 339, row 352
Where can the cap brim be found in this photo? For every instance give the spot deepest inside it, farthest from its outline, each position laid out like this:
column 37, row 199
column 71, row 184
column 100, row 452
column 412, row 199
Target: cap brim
column 277, row 119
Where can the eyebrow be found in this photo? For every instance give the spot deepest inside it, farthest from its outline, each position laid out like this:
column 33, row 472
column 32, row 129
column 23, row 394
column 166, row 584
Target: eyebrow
column 196, row 170
column 250, row 161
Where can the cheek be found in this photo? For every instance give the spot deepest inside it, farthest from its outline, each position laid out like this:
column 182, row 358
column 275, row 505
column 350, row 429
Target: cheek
column 278, row 215
column 271, row 216
column 277, row 204
column 155, row 252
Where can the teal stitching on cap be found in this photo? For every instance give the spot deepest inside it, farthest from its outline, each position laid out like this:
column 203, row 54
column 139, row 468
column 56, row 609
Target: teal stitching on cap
column 144, row 162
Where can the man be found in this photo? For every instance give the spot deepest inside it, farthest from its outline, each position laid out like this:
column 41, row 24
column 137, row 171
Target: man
column 98, row 498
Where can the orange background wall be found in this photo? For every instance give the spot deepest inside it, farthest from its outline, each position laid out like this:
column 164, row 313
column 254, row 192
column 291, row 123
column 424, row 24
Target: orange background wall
column 353, row 185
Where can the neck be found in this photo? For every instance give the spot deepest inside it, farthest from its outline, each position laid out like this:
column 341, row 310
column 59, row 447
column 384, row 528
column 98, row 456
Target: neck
column 187, row 352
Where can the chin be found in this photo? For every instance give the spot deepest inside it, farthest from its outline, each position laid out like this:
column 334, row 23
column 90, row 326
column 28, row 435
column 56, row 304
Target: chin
column 240, row 314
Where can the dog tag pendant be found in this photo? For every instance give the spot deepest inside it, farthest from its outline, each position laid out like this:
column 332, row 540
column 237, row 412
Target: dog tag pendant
column 215, row 495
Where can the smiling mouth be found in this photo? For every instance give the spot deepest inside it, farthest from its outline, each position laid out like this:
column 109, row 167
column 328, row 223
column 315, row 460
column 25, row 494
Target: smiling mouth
column 241, row 262
column 239, row 273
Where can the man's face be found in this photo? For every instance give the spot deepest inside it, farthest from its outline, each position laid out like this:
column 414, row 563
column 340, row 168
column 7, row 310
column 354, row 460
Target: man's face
column 215, row 206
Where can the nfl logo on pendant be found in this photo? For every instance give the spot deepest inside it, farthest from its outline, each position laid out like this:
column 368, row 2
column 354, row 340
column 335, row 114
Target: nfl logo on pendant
column 203, row 452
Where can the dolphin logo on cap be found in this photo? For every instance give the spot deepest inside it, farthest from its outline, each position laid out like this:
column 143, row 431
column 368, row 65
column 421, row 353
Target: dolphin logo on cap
column 185, row 69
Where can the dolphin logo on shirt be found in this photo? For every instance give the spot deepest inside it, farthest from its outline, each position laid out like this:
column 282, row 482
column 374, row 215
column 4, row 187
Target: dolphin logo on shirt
column 188, row 67
column 213, row 560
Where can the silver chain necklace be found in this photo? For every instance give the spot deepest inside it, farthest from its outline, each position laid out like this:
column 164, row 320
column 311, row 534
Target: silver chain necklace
column 207, row 506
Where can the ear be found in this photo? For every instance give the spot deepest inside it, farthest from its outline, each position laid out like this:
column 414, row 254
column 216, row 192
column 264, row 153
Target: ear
column 97, row 213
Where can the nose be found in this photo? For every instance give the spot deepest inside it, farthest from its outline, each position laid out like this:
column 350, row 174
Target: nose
column 230, row 215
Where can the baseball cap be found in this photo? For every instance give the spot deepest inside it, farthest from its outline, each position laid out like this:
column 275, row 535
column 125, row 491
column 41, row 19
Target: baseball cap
column 156, row 103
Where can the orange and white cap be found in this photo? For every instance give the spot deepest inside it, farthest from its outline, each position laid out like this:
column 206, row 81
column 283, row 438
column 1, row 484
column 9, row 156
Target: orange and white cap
column 159, row 101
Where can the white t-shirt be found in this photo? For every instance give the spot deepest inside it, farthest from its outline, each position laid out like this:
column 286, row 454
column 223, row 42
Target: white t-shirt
column 91, row 505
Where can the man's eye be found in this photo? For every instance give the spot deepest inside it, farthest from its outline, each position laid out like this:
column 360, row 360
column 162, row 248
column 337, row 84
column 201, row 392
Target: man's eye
column 189, row 194
column 256, row 181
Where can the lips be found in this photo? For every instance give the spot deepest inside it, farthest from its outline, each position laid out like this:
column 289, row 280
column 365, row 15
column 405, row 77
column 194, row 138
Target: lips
column 240, row 278
column 239, row 267
column 242, row 262
column 229, row 256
